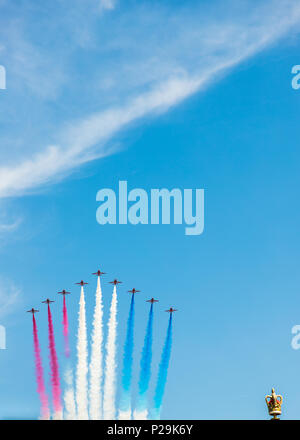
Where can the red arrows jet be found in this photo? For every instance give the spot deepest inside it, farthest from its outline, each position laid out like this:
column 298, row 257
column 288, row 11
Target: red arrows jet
column 115, row 282
column 82, row 283
column 64, row 292
column 99, row 273
column 171, row 310
column 133, row 291
column 47, row 301
column 152, row 300
column 33, row 311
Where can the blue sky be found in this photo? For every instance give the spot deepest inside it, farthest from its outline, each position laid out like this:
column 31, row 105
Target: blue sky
column 160, row 96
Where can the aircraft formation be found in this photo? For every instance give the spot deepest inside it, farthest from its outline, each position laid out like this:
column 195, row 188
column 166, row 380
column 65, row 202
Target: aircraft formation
column 114, row 282
column 80, row 403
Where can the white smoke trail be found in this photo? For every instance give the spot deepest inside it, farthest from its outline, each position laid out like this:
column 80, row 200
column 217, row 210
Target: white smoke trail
column 82, row 365
column 124, row 415
column 96, row 358
column 140, row 415
column 69, row 397
column 109, row 409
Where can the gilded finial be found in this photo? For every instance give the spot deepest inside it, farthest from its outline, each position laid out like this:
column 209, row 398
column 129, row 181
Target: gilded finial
column 274, row 403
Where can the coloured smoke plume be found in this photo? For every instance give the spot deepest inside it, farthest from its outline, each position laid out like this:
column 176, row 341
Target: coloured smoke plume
column 55, row 382
column 69, row 397
column 141, row 412
column 66, row 328
column 163, row 372
column 125, row 403
column 45, row 414
column 109, row 395
column 76, row 403
column 82, row 365
column 96, row 357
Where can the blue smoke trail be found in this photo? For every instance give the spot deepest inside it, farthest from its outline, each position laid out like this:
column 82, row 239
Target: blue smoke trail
column 125, row 403
column 163, row 371
column 146, row 364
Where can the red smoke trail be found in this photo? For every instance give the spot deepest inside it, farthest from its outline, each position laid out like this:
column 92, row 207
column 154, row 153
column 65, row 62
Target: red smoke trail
column 56, row 392
column 39, row 373
column 66, row 328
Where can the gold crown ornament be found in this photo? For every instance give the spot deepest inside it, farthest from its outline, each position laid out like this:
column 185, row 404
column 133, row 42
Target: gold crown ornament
column 274, row 403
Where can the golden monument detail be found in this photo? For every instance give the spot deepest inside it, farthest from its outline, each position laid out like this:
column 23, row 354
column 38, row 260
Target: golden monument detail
column 274, row 403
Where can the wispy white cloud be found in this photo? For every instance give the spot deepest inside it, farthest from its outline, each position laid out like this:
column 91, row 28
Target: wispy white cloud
column 183, row 57
column 80, row 139
column 10, row 295
column 9, row 227
column 107, row 4
column 29, row 68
